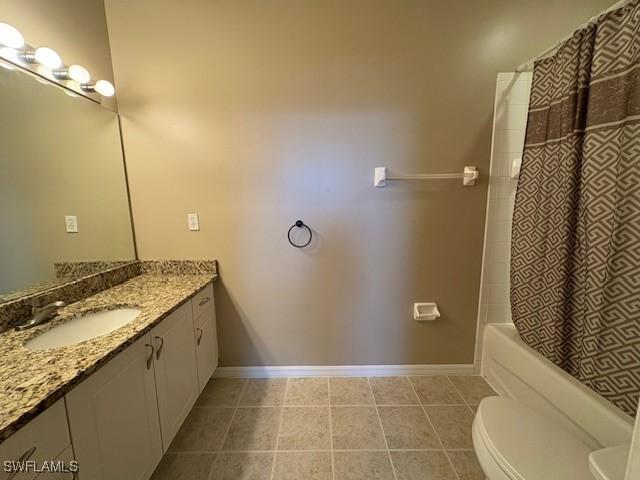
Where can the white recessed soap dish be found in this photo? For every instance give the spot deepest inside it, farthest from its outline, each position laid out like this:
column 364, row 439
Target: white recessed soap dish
column 425, row 312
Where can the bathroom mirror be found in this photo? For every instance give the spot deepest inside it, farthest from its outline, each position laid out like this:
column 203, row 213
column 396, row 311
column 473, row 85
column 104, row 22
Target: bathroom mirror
column 64, row 207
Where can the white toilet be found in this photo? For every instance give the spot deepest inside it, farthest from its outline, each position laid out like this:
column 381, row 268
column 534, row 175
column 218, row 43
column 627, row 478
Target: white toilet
column 514, row 442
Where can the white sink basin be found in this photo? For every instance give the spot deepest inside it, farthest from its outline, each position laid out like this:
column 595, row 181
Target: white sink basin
column 83, row 328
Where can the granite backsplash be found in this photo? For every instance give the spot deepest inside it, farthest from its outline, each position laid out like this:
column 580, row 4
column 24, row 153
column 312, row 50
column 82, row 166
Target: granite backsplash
column 85, row 286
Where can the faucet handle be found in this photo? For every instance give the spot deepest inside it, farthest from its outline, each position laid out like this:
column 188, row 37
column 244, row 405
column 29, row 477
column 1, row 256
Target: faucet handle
column 41, row 314
column 49, row 307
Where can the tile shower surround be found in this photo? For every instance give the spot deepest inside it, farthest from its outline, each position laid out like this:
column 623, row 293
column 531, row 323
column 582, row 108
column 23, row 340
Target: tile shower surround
column 509, row 126
column 395, row 428
column 91, row 284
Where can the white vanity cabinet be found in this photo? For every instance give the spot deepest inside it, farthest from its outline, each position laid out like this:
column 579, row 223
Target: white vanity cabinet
column 123, row 417
column 176, row 370
column 43, row 439
column 113, row 418
column 206, row 337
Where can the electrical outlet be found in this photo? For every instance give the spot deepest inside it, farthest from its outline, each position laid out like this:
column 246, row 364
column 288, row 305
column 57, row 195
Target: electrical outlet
column 71, row 223
column 193, row 222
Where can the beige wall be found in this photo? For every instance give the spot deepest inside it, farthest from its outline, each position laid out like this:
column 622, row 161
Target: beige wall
column 256, row 113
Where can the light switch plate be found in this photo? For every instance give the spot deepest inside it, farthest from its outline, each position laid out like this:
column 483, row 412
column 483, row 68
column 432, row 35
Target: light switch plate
column 71, row 223
column 193, row 222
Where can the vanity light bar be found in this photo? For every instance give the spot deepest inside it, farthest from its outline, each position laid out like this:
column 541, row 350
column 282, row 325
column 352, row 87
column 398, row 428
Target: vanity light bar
column 14, row 49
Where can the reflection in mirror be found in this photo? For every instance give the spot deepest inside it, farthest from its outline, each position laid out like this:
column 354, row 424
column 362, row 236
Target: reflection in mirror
column 61, row 167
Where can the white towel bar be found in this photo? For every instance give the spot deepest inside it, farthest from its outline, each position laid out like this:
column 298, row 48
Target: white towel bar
column 468, row 176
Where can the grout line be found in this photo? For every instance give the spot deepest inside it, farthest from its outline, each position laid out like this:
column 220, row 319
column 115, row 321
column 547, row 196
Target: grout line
column 436, row 432
column 273, row 463
column 459, row 392
column 333, row 471
column 213, row 465
column 415, row 392
column 393, row 469
column 466, row 403
column 224, row 437
column 344, row 405
column 318, row 450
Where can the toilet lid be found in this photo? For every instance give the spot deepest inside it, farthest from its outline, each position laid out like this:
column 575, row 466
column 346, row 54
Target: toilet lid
column 528, row 445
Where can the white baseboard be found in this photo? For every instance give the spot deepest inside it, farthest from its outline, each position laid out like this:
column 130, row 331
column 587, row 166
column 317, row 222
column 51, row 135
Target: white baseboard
column 342, row 371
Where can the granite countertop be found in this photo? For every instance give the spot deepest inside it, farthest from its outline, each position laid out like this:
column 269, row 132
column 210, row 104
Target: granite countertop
column 31, row 381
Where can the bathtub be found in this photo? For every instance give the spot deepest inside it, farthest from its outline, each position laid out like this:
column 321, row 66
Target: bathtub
column 517, row 371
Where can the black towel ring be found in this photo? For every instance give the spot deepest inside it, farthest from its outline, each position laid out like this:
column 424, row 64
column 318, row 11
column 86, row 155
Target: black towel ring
column 299, row 224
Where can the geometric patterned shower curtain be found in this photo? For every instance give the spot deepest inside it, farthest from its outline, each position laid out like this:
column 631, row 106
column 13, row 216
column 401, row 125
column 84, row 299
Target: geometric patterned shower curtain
column 575, row 259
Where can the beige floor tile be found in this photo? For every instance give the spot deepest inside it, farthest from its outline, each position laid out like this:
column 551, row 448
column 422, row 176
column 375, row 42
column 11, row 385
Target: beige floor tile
column 472, row 387
column 452, row 424
column 350, row 391
column 421, row 465
column 253, row 428
column 407, row 428
column 264, row 392
column 307, row 391
column 184, row 467
column 203, row 430
column 356, row 428
column 362, row 466
column 436, row 390
column 305, row 428
column 299, row 410
column 222, row 392
column 243, row 466
column 302, row 466
column 466, row 465
column 393, row 391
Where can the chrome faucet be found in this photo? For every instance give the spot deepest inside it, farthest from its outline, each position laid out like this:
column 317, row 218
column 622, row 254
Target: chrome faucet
column 40, row 315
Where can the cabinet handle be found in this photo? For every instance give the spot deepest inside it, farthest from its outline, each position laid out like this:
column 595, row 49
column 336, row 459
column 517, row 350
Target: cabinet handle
column 150, row 358
column 159, row 350
column 200, row 333
column 203, row 301
column 23, row 458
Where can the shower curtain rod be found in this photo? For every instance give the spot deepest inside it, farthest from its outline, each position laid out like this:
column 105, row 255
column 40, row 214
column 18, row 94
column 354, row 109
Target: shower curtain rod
column 528, row 65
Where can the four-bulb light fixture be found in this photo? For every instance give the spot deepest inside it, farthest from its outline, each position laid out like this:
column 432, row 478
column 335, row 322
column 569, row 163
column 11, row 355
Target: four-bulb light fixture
column 14, row 48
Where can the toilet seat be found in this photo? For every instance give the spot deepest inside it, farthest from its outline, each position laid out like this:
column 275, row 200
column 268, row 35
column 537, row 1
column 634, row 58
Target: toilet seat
column 514, row 442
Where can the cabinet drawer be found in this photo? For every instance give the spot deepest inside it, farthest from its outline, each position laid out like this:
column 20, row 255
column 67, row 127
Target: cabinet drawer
column 202, row 301
column 42, row 439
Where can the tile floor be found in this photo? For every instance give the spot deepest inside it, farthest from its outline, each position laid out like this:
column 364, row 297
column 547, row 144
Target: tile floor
column 386, row 428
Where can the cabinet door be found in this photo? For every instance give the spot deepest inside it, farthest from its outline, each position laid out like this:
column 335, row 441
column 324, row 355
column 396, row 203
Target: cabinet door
column 113, row 418
column 65, row 458
column 206, row 346
column 176, row 370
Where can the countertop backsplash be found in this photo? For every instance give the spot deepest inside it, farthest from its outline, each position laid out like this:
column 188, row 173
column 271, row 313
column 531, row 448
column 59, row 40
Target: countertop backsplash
column 77, row 289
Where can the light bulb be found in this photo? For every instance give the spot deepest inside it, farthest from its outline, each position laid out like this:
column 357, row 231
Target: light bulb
column 104, row 88
column 47, row 57
column 78, row 73
column 10, row 36
column 11, row 55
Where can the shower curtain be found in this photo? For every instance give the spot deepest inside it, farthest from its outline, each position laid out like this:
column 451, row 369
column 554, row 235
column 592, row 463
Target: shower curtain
column 575, row 258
